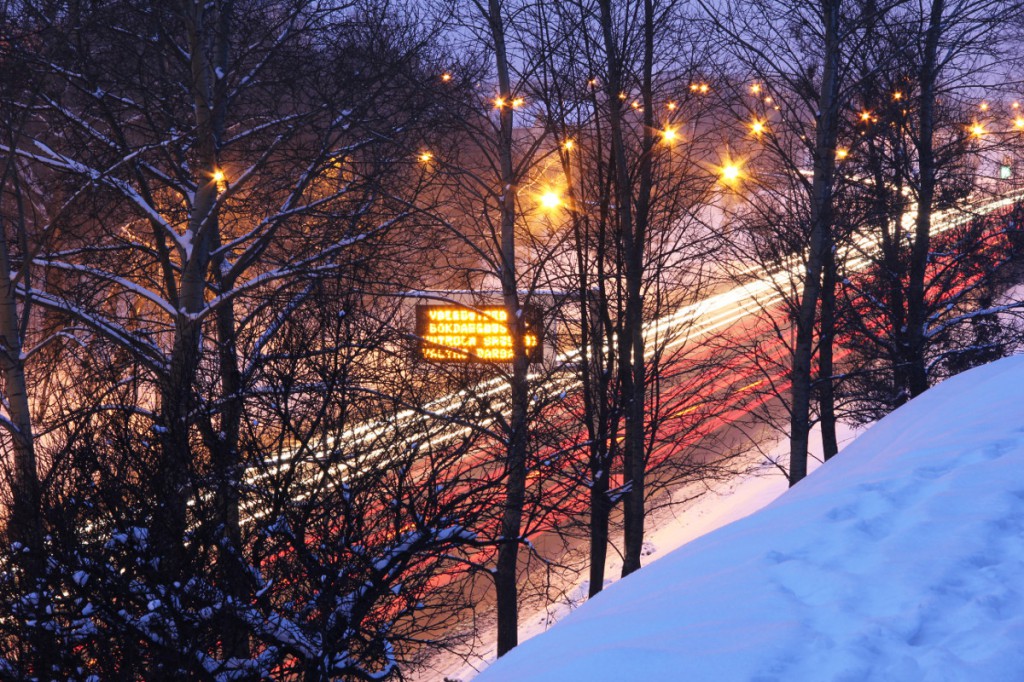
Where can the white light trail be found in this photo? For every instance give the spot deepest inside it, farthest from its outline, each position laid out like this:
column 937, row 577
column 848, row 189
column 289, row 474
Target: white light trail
column 764, row 289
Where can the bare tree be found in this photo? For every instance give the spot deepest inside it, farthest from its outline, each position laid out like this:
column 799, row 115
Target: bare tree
column 17, row 210
column 215, row 162
column 801, row 68
column 951, row 40
column 664, row 121
column 489, row 179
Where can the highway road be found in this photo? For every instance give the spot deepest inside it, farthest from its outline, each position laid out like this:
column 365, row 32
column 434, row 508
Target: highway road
column 759, row 290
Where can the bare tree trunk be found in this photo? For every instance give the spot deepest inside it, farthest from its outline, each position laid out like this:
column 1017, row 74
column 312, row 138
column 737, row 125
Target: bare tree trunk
column 821, row 225
column 826, row 370
column 211, row 112
column 177, row 394
column 916, row 307
column 227, row 472
column 888, row 208
column 595, row 376
column 506, row 570
column 599, row 425
column 635, row 451
column 25, row 522
column 602, row 426
column 632, row 217
column 600, row 511
column 172, row 482
column 25, row 525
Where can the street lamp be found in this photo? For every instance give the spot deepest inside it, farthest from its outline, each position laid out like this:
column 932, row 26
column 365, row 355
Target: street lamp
column 550, row 200
column 219, row 180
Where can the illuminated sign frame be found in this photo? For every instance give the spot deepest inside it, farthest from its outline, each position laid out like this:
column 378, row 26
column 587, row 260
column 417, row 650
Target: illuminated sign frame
column 461, row 334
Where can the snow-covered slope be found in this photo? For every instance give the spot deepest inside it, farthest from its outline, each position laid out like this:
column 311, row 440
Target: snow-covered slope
column 901, row 559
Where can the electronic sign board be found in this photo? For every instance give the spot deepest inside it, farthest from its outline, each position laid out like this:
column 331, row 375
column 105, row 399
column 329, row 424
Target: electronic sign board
column 454, row 333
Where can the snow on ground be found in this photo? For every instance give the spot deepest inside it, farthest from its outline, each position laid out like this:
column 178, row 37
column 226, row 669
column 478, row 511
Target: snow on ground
column 901, row 559
column 668, row 529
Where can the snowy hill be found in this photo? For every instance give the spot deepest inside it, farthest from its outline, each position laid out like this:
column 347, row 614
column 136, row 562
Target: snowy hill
column 901, row 559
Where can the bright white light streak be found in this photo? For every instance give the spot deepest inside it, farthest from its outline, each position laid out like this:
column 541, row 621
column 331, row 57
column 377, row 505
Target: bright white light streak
column 713, row 313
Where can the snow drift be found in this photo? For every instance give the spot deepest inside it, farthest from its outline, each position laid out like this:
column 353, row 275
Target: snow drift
column 901, row 559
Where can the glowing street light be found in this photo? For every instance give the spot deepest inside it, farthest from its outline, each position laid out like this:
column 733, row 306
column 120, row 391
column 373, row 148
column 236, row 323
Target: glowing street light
column 977, row 130
column 842, row 153
column 550, row 200
column 1018, row 123
column 758, row 128
column 220, row 180
column 446, row 77
column 426, row 157
column 501, row 102
column 730, row 172
column 755, row 88
column 568, row 145
column 669, row 135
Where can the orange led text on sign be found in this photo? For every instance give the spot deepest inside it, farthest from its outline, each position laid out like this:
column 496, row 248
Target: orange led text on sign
column 458, row 334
